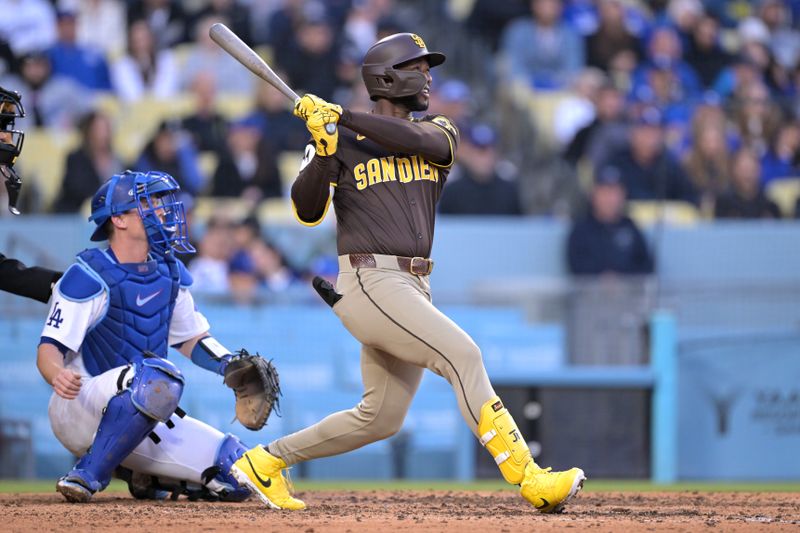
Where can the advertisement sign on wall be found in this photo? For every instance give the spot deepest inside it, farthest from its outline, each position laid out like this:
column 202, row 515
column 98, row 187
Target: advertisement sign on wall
column 739, row 408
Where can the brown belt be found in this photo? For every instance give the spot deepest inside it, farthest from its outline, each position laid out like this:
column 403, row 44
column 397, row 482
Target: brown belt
column 419, row 266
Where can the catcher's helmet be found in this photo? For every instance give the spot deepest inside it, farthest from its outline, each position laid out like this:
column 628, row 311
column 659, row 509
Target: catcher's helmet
column 10, row 139
column 379, row 71
column 153, row 194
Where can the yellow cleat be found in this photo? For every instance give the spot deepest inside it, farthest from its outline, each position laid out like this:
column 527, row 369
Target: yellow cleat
column 260, row 471
column 550, row 491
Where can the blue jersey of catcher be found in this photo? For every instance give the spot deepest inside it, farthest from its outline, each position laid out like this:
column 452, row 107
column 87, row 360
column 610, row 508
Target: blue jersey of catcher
column 105, row 314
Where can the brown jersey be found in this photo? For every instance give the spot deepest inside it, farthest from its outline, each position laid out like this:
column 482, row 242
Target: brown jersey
column 385, row 201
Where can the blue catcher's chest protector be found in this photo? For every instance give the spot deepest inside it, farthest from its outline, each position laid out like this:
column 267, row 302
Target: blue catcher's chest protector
column 141, row 298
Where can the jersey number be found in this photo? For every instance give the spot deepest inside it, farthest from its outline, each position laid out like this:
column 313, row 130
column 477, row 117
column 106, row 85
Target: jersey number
column 55, row 319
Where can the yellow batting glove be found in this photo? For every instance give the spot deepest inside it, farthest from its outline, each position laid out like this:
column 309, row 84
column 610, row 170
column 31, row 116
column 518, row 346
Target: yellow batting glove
column 335, row 109
column 326, row 115
column 326, row 143
column 305, row 106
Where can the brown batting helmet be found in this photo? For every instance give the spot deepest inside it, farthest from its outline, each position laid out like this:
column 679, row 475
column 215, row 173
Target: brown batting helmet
column 379, row 71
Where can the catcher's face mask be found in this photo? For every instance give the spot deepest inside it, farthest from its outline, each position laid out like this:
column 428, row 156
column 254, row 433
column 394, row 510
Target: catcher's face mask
column 10, row 144
column 154, row 195
column 10, row 139
column 164, row 216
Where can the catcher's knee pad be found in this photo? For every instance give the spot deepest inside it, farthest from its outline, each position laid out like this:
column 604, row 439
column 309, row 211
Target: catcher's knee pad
column 218, row 478
column 499, row 434
column 156, row 388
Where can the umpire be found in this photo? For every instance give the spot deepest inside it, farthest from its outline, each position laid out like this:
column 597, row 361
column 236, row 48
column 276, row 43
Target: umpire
column 15, row 277
column 387, row 170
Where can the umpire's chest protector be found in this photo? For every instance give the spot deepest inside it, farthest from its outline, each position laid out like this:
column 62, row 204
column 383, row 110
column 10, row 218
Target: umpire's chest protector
column 141, row 297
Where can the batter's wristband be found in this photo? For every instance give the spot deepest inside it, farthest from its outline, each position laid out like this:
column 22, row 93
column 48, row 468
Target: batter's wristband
column 344, row 117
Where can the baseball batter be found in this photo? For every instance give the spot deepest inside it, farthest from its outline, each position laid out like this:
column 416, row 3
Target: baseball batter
column 104, row 346
column 387, row 170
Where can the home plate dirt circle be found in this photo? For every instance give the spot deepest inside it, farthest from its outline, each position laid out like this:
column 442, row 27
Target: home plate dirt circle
column 413, row 510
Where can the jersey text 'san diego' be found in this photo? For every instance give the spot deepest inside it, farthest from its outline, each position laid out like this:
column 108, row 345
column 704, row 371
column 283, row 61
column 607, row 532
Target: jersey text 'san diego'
column 385, row 202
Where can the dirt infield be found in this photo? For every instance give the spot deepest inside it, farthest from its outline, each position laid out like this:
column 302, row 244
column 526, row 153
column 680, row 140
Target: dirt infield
column 351, row 511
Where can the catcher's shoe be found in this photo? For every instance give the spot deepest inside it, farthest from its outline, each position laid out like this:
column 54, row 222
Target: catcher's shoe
column 550, row 491
column 260, row 471
column 73, row 489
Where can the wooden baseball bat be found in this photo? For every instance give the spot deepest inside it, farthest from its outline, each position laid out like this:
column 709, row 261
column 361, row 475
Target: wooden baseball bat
column 231, row 43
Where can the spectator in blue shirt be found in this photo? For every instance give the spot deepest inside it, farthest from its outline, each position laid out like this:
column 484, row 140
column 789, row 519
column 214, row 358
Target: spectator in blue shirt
column 543, row 51
column 648, row 171
column 781, row 158
column 664, row 52
column 453, row 99
column 82, row 64
column 483, row 185
column 606, row 241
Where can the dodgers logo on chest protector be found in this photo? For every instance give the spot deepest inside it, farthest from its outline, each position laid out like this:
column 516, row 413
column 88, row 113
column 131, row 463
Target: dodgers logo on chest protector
column 141, row 297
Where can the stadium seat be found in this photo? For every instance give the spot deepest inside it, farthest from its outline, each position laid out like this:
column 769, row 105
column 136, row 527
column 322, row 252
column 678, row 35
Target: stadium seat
column 275, row 210
column 673, row 213
column 288, row 167
column 137, row 122
column 208, row 164
column 181, row 52
column 85, row 209
column 541, row 106
column 785, row 193
column 110, row 105
column 730, row 40
column 460, row 9
column 234, row 106
column 206, row 207
column 266, row 53
column 43, row 160
column 585, row 170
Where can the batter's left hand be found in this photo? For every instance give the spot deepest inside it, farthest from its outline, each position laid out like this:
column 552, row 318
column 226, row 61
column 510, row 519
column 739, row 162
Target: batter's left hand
column 308, row 103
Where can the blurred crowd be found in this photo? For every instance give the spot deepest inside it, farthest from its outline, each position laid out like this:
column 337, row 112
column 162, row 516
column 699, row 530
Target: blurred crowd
column 234, row 260
column 657, row 100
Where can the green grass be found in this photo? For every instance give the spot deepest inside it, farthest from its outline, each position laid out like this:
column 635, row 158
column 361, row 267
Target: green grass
column 603, row 485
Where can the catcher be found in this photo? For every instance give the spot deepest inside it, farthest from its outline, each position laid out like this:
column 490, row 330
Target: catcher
column 104, row 346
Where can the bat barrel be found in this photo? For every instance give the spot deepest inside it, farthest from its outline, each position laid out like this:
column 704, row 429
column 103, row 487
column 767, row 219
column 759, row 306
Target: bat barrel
column 231, row 43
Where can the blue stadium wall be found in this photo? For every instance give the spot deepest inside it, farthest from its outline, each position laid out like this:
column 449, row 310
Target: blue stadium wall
column 737, row 398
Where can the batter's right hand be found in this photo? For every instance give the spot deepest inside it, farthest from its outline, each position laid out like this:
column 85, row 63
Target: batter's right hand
column 325, row 142
column 67, row 384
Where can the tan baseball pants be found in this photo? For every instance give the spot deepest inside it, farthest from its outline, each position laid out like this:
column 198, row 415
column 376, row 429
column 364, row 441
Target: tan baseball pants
column 402, row 333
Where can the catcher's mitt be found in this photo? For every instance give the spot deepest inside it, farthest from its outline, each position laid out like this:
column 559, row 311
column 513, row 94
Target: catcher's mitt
column 254, row 381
